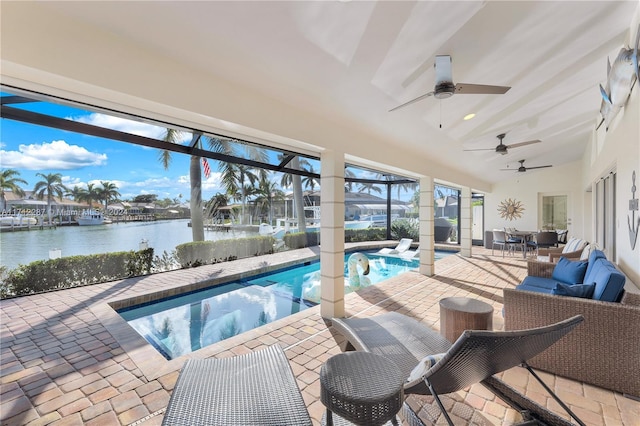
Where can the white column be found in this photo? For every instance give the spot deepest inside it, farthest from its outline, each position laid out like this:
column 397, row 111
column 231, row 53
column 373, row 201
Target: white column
column 427, row 236
column 332, row 234
column 466, row 221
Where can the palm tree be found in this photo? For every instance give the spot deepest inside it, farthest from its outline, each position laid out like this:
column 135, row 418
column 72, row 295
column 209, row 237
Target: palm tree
column 109, row 191
column 308, row 181
column 235, row 178
column 348, row 173
column 77, row 193
column 268, row 192
column 195, row 178
column 90, row 194
column 368, row 187
column 9, row 180
column 50, row 186
column 212, row 207
column 290, row 180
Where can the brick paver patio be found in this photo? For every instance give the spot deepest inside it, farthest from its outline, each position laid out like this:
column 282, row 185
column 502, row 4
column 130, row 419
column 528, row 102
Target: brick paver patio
column 68, row 359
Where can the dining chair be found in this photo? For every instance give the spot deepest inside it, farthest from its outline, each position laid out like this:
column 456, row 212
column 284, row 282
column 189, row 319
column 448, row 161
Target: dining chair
column 546, row 239
column 500, row 239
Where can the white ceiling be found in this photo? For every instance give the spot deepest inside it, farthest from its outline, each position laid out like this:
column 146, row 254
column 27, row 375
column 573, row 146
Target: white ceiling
column 353, row 61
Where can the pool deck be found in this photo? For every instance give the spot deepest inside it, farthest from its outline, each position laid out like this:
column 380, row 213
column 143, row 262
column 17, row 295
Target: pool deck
column 68, row 359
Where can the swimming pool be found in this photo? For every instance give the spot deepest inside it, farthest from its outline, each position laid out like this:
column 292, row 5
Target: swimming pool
column 182, row 324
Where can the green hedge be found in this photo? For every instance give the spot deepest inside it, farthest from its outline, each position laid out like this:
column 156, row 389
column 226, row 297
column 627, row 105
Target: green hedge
column 209, row 252
column 296, row 240
column 369, row 234
column 403, row 228
column 74, row 271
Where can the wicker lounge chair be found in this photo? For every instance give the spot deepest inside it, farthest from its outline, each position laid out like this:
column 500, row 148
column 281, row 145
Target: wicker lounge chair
column 474, row 358
column 257, row 389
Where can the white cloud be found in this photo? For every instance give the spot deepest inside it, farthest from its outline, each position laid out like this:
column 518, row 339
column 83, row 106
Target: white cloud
column 57, row 155
column 129, row 126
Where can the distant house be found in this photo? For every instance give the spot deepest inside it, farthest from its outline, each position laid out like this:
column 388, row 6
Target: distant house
column 31, row 205
column 356, row 204
column 446, row 206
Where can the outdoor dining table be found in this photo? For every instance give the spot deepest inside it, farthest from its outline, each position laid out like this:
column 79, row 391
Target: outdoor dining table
column 524, row 237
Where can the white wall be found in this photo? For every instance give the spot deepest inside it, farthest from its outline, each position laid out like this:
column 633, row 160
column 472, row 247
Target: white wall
column 619, row 149
column 526, row 187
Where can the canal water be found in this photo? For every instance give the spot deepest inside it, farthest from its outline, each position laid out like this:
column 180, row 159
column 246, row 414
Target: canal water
column 23, row 247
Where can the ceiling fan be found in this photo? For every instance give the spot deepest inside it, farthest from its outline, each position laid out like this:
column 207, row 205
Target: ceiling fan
column 523, row 169
column 502, row 148
column 445, row 88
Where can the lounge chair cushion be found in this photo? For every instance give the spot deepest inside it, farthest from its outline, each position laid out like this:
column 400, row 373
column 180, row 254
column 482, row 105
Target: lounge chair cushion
column 423, row 366
column 577, row 290
column 569, row 272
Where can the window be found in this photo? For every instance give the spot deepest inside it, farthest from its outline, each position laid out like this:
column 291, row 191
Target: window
column 554, row 212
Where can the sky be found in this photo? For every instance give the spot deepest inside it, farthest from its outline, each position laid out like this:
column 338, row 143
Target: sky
column 83, row 159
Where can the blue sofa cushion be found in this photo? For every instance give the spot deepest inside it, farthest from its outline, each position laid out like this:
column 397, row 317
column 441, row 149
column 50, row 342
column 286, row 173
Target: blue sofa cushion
column 595, row 254
column 609, row 281
column 569, row 272
column 546, row 284
column 535, row 289
column 577, row 290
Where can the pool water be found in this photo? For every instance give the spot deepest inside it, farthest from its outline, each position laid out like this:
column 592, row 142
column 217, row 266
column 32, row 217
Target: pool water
column 188, row 322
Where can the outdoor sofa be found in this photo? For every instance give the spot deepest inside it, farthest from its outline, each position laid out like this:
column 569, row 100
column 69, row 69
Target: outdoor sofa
column 604, row 350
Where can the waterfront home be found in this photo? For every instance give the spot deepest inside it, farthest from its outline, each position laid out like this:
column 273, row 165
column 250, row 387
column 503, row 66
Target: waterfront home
column 319, row 79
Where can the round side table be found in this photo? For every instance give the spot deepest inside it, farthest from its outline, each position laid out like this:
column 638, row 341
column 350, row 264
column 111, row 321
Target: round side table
column 463, row 313
column 362, row 388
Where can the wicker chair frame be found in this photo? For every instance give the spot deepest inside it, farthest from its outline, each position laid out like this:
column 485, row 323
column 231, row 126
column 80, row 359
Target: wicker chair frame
column 474, row 358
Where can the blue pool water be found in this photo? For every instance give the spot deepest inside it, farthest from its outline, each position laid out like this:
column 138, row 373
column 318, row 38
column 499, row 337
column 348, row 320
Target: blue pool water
column 185, row 323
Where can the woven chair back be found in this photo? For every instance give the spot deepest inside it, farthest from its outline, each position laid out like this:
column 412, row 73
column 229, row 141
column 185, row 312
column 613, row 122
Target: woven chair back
column 477, row 354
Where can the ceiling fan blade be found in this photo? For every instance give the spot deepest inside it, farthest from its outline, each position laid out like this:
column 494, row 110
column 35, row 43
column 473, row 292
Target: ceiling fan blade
column 480, row 149
column 515, row 145
column 419, row 98
column 539, row 167
column 480, row 89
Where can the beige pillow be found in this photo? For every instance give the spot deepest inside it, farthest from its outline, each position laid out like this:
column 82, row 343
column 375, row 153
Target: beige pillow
column 587, row 251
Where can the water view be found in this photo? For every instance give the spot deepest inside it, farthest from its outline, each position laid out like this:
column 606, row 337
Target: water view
column 23, row 247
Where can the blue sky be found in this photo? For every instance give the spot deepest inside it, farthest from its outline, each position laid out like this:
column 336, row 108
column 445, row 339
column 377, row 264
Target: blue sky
column 83, row 159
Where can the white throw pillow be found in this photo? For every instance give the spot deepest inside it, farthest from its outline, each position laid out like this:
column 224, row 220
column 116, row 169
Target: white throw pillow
column 587, row 251
column 423, row 366
column 574, row 244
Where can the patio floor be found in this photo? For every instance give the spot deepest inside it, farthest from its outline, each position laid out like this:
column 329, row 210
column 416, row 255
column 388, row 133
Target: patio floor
column 68, row 359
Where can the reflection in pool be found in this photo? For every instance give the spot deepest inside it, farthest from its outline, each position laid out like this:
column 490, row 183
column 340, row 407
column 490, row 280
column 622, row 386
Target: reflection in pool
column 188, row 322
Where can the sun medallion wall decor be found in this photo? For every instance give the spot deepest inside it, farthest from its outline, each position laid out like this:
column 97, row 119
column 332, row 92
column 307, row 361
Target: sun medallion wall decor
column 510, row 209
